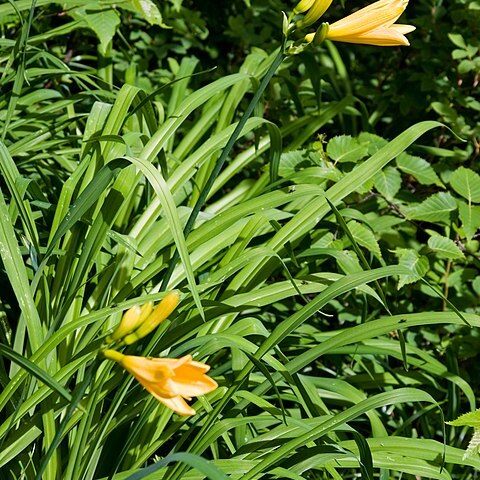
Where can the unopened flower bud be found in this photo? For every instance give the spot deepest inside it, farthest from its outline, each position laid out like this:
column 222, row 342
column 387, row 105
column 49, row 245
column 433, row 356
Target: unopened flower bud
column 321, row 34
column 131, row 320
column 160, row 313
column 303, row 6
column 318, row 8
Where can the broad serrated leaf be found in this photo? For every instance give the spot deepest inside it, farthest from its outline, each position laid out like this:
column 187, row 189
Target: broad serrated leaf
column 292, row 162
column 344, row 148
column 457, row 40
column 388, row 182
column 436, row 208
column 372, row 142
column 348, row 261
column 446, row 111
column 149, row 11
column 470, row 218
column 444, row 247
column 474, row 444
column 417, row 264
column 466, row 183
column 104, row 23
column 418, row 168
column 470, row 419
column 366, row 187
column 364, row 237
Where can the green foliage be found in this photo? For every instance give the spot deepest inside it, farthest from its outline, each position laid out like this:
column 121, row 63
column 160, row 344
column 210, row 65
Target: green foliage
column 471, row 419
column 330, row 279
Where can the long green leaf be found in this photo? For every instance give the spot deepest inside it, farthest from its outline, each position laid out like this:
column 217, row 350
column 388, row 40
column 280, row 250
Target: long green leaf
column 194, row 461
column 34, row 370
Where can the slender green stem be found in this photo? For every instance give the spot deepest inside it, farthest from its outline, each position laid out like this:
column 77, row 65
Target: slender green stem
column 223, row 157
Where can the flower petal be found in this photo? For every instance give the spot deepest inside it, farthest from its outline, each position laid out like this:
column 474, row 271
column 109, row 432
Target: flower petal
column 145, row 369
column 157, row 389
column 201, row 386
column 403, row 29
column 177, row 404
column 168, row 379
column 190, row 380
column 382, row 37
column 379, row 14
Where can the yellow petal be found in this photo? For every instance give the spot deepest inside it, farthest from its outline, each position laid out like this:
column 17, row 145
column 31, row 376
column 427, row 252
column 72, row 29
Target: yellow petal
column 378, row 14
column 157, row 389
column 382, row 37
column 178, row 405
column 146, row 369
column 191, row 384
column 168, row 379
column 403, row 29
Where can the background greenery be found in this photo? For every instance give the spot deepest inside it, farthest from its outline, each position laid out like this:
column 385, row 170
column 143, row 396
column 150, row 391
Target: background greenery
column 342, row 334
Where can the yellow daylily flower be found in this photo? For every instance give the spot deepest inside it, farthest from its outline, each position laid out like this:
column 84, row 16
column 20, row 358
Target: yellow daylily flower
column 169, row 380
column 372, row 25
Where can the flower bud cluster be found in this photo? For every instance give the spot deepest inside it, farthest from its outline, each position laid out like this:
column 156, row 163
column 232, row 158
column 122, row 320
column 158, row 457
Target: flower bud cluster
column 171, row 381
column 139, row 321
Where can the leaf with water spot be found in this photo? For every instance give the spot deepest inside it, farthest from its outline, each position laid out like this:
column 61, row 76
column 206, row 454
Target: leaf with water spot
column 149, row 11
column 417, row 264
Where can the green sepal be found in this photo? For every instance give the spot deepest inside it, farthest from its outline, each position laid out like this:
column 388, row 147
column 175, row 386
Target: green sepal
column 321, row 34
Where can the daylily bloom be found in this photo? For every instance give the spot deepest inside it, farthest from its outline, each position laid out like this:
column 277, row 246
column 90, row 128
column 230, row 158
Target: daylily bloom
column 372, row 25
column 169, row 380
